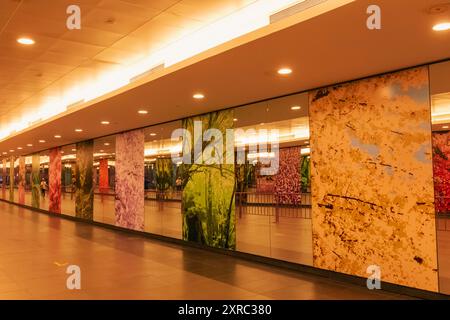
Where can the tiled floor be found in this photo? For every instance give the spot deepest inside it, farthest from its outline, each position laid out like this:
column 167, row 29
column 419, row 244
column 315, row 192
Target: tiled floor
column 36, row 249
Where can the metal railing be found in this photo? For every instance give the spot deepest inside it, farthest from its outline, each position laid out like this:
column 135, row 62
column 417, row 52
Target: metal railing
column 288, row 205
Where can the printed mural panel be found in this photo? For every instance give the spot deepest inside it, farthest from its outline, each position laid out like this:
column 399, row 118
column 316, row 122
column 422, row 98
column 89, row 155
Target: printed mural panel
column 441, row 170
column 35, row 181
column 372, row 183
column 55, row 180
column 84, row 184
column 288, row 180
column 208, row 196
column 103, row 182
column 129, row 186
column 21, row 181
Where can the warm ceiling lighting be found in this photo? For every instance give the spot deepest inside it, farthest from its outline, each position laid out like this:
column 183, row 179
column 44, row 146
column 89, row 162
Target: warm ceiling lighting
column 235, row 119
column 74, row 150
column 198, row 96
column 78, row 130
column 57, row 136
column 101, row 151
column 106, row 143
column 142, row 111
column 19, row 148
column 29, row 145
column 11, row 150
column 284, row 71
column 296, row 108
column 25, row 41
column 41, row 141
column 442, row 26
column 105, row 122
column 445, row 127
column 5, row 152
column 153, row 134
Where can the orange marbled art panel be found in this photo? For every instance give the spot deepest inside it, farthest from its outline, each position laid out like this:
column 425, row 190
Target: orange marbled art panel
column 372, row 178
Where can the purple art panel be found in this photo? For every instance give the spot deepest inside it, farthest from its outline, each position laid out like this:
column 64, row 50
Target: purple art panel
column 22, row 180
column 287, row 181
column 129, row 203
column 55, row 180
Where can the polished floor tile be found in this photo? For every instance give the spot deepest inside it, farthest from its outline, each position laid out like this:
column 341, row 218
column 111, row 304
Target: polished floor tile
column 36, row 249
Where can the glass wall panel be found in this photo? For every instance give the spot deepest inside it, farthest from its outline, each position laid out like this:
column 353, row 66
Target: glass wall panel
column 68, row 185
column 440, row 91
column 273, row 207
column 163, row 185
column 104, row 179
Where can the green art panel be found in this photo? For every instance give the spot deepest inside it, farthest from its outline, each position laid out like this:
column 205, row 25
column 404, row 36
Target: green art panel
column 164, row 176
column 209, row 189
column 35, row 180
column 84, row 193
column 305, row 173
column 11, row 179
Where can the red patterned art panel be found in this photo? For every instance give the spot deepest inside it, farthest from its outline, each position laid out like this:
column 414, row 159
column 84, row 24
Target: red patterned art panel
column 287, row 181
column 103, row 175
column 441, row 171
column 55, row 181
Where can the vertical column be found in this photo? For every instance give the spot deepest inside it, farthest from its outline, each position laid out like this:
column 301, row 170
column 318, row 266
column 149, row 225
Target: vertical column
column 55, row 181
column 129, row 186
column 84, row 194
column 22, row 172
column 372, row 178
column 11, row 179
column 208, row 197
column 35, row 180
column 3, row 178
column 103, row 176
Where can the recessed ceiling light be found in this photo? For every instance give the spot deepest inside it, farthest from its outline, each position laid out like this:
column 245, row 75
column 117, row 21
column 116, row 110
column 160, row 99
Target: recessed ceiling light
column 284, row 71
column 5, row 152
column 445, row 127
column 57, row 136
column 25, row 41
column 142, row 111
column 296, row 108
column 235, row 119
column 11, row 150
column 153, row 134
column 105, row 122
column 78, row 130
column 19, row 148
column 41, row 141
column 442, row 26
column 29, row 145
column 102, row 151
column 198, row 96
column 74, row 149
column 106, row 143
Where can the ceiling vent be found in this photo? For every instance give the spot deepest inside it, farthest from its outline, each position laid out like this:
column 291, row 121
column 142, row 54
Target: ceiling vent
column 296, row 8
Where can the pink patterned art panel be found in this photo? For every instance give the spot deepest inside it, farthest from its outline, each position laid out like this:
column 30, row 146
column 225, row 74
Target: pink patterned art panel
column 129, row 202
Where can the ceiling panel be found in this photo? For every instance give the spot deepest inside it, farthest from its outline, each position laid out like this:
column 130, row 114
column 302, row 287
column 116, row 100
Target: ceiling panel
column 113, row 32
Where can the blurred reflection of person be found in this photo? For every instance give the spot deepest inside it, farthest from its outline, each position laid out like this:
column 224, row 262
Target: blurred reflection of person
column 43, row 187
